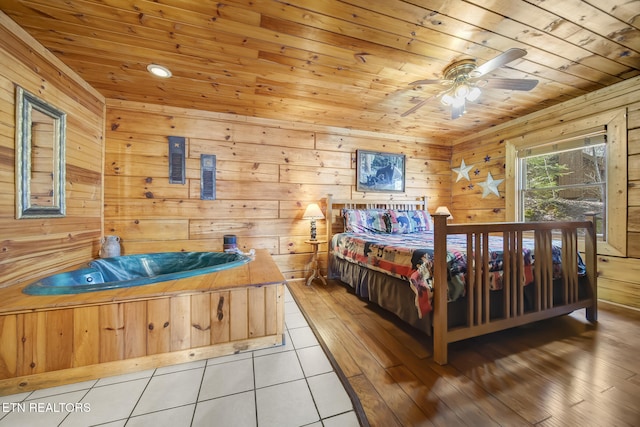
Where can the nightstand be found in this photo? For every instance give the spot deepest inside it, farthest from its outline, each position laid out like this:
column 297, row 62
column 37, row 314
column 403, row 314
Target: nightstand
column 315, row 272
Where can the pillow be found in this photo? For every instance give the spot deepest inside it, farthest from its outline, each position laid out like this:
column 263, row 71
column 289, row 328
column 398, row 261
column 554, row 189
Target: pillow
column 365, row 220
column 405, row 222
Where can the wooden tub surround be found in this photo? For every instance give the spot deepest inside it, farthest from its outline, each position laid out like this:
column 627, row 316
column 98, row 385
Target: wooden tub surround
column 47, row 341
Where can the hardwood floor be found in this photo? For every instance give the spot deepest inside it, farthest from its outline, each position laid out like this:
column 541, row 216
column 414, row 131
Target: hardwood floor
column 557, row 372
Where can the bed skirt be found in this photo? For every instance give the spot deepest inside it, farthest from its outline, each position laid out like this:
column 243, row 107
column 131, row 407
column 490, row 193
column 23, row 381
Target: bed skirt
column 392, row 294
column 396, row 296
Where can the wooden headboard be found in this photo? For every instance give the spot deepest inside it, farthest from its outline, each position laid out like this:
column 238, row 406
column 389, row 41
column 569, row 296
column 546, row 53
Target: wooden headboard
column 335, row 222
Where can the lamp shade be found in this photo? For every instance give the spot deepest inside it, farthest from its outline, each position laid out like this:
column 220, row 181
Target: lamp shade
column 313, row 212
column 443, row 210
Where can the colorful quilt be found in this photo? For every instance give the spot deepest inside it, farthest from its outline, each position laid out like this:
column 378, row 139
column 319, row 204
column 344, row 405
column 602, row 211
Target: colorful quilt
column 410, row 257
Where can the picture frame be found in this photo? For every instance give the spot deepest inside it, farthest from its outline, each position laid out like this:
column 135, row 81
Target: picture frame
column 380, row 172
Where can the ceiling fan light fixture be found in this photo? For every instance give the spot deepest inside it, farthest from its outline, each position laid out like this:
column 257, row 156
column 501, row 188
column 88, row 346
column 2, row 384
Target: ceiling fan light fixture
column 457, row 102
column 159, row 71
column 447, row 99
column 474, row 94
column 462, row 90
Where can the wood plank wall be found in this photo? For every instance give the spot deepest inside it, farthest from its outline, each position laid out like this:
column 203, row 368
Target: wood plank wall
column 618, row 276
column 32, row 247
column 267, row 172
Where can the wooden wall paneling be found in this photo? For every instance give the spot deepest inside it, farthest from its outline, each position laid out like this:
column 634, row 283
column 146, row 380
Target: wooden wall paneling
column 220, row 319
column 86, row 336
column 9, row 349
column 257, row 302
column 227, row 211
column 148, row 229
column 315, row 175
column 620, row 292
column 633, row 139
column 633, row 222
column 633, row 245
column 200, row 320
column 27, row 64
column 271, row 298
column 267, row 173
column 144, row 185
column 397, row 144
column 180, row 322
column 231, row 150
column 59, row 339
column 31, row 349
column 238, row 322
column 634, row 168
column 135, row 330
column 569, row 117
column 111, row 332
column 159, row 326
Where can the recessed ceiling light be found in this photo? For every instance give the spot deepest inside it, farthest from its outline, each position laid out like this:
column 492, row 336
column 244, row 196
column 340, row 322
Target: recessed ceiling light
column 159, row 70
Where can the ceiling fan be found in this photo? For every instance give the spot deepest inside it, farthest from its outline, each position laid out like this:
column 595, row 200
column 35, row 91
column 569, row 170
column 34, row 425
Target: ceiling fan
column 464, row 81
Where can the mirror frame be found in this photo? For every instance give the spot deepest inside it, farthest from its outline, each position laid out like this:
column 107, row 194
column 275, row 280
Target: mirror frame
column 25, row 104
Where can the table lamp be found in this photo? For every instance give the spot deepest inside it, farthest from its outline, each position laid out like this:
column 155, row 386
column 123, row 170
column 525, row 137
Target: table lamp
column 313, row 212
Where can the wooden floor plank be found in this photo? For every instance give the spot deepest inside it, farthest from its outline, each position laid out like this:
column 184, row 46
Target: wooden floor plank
column 557, row 372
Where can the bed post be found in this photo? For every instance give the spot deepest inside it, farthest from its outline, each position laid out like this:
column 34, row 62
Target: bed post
column 329, row 217
column 591, row 263
column 440, row 286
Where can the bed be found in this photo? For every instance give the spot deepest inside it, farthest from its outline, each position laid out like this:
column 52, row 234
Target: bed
column 496, row 275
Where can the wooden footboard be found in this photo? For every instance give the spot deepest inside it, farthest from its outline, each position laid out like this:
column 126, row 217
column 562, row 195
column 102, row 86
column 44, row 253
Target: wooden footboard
column 550, row 297
column 571, row 234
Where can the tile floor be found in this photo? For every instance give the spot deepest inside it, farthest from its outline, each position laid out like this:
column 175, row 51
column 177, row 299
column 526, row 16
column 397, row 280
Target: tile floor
column 291, row 385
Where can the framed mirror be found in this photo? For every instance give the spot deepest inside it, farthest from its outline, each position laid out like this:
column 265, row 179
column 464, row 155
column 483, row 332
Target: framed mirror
column 40, row 157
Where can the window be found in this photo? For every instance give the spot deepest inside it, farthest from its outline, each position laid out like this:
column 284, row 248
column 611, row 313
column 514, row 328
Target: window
column 563, row 171
column 564, row 180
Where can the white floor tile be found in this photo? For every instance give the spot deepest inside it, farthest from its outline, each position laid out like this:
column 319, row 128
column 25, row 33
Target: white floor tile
column 52, row 391
column 329, row 394
column 348, row 419
column 119, row 423
column 314, row 361
column 277, row 368
column 288, row 346
column 291, row 308
column 45, row 412
column 175, row 417
column 287, row 295
column 170, row 391
column 229, row 358
column 288, row 404
column 238, row 410
column 108, row 403
column 180, row 367
column 295, row 320
column 18, row 397
column 303, row 337
column 125, row 377
column 227, row 378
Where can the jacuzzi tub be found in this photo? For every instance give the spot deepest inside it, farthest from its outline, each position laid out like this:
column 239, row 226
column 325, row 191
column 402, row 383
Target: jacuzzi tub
column 135, row 270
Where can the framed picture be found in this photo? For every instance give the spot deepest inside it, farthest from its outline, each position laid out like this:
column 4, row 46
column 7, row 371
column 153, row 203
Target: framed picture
column 382, row 172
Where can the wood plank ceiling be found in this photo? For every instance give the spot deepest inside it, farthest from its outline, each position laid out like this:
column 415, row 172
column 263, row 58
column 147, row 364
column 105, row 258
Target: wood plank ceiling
column 338, row 63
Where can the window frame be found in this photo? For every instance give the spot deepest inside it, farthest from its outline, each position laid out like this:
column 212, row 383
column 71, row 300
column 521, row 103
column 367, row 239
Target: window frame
column 615, row 124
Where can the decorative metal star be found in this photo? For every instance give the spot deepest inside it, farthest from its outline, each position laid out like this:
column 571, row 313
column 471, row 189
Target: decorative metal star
column 487, row 158
column 470, row 186
column 463, row 171
column 490, row 185
column 476, row 172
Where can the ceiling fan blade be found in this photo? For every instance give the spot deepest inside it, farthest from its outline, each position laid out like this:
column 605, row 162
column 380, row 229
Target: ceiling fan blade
column 510, row 84
column 457, row 111
column 427, row 82
column 500, row 60
column 416, row 107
